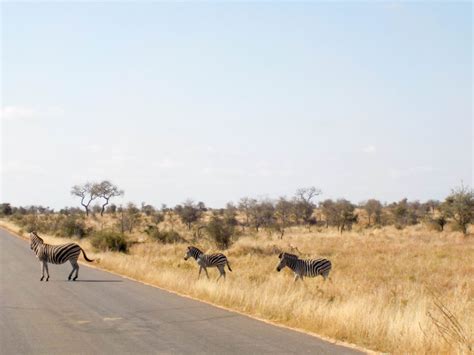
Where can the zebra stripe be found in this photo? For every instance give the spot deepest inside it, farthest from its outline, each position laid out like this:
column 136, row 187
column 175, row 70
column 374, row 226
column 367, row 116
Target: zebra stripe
column 56, row 254
column 208, row 260
column 304, row 267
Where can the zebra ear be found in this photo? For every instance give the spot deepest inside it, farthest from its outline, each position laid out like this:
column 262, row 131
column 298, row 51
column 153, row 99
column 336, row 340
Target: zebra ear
column 280, row 256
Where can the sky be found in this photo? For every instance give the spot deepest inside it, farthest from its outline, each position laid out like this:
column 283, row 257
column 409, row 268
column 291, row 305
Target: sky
column 214, row 101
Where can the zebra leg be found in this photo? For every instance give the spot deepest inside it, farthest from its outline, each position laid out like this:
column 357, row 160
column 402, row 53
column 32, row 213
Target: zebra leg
column 205, row 269
column 76, row 266
column 42, row 271
column 47, row 271
column 73, row 264
column 221, row 271
column 200, row 269
column 70, row 274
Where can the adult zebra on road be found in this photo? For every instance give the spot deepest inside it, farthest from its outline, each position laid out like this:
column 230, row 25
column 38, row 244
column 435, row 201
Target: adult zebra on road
column 304, row 267
column 56, row 254
column 204, row 261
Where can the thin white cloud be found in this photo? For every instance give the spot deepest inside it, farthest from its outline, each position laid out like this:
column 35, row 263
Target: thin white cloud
column 168, row 163
column 417, row 170
column 370, row 149
column 11, row 113
column 92, row 148
column 17, row 113
column 18, row 167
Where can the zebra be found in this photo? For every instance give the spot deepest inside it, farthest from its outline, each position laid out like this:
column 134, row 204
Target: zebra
column 56, row 254
column 204, row 261
column 304, row 267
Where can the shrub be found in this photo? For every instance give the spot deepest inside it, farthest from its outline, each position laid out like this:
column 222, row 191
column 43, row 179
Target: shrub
column 31, row 223
column 165, row 236
column 436, row 223
column 6, row 209
column 108, row 240
column 220, row 231
column 460, row 207
column 72, row 226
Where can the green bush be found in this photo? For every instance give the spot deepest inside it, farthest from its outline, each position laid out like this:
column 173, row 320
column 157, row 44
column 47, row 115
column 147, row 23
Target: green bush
column 220, row 231
column 108, row 240
column 72, row 226
column 164, row 236
column 31, row 223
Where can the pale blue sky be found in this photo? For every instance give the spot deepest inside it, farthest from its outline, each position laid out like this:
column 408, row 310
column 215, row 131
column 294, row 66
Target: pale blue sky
column 216, row 101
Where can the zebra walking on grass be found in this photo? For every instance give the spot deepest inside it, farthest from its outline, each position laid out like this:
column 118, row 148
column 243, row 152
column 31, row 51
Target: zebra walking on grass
column 56, row 254
column 304, row 267
column 204, row 261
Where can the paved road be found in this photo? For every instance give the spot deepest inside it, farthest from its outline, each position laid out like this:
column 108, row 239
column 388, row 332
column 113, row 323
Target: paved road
column 104, row 314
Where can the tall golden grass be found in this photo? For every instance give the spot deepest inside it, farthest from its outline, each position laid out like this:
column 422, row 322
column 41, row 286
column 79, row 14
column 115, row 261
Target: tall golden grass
column 390, row 290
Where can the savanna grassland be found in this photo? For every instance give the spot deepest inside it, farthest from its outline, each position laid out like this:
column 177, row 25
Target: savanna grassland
column 390, row 290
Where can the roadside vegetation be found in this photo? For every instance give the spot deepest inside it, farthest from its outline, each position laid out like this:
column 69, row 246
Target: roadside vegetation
column 402, row 272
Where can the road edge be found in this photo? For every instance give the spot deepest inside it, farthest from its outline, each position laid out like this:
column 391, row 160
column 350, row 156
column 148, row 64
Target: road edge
column 299, row 330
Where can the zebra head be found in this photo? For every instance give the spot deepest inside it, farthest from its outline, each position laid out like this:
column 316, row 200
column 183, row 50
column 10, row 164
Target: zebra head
column 192, row 252
column 35, row 240
column 284, row 258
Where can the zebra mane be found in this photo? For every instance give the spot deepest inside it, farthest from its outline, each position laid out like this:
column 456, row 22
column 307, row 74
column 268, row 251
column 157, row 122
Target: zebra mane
column 288, row 255
column 37, row 237
column 194, row 248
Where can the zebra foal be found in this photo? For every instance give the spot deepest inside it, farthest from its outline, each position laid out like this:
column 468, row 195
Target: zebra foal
column 208, row 260
column 56, row 254
column 304, row 267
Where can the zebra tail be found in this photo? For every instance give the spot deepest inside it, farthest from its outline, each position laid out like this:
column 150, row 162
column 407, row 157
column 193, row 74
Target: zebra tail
column 228, row 265
column 85, row 256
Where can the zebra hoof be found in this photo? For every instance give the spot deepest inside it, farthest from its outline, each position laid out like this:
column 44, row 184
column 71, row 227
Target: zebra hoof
column 74, row 279
column 42, row 278
column 47, row 279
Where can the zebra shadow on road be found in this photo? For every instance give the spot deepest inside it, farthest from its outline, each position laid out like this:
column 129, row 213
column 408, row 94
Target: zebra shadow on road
column 94, row 281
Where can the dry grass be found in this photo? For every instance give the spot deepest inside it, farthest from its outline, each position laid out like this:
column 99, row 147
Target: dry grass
column 390, row 290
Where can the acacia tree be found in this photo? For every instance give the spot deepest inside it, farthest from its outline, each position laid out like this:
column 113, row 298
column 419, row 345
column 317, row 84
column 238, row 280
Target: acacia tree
column 261, row 214
column 304, row 206
column 283, row 213
column 245, row 205
column 221, row 230
column 329, row 210
column 107, row 190
column 307, row 194
column 400, row 213
column 190, row 213
column 87, row 192
column 339, row 213
column 459, row 206
column 373, row 208
column 345, row 214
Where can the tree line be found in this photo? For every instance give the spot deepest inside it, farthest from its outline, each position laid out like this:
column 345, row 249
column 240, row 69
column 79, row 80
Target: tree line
column 272, row 215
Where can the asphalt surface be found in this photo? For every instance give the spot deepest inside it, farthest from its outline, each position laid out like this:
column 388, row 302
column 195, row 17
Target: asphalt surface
column 102, row 313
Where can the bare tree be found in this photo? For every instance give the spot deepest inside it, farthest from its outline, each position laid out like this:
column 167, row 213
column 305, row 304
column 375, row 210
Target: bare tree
column 339, row 214
column 304, row 206
column 283, row 212
column 245, row 207
column 131, row 218
column 261, row 214
column 373, row 208
column 107, row 190
column 306, row 194
column 329, row 210
column 189, row 212
column 87, row 192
